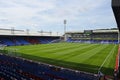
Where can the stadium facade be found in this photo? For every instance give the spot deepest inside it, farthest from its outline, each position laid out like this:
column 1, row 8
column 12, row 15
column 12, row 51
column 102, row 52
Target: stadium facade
column 12, row 37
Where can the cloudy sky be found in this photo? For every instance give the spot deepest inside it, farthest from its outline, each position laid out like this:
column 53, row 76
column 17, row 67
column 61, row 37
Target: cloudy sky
column 48, row 15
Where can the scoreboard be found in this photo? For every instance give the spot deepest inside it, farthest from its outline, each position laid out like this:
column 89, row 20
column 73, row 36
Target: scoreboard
column 88, row 31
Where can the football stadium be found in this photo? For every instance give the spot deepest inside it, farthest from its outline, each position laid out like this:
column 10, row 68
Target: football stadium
column 74, row 55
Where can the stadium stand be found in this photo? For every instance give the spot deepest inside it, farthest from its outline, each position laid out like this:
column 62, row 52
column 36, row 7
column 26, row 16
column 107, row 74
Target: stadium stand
column 32, row 40
column 12, row 68
column 22, row 40
column 95, row 36
column 46, row 40
column 6, row 41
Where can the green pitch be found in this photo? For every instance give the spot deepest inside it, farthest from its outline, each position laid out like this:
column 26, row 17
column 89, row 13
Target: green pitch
column 83, row 57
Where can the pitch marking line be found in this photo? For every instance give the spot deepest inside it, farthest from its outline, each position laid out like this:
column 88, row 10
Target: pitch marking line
column 106, row 58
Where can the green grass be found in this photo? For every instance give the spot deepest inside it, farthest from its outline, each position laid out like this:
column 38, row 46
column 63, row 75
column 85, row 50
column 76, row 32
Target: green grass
column 83, row 57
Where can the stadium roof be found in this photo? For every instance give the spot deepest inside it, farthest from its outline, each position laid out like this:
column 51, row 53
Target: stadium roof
column 13, row 32
column 98, row 31
column 105, row 31
column 116, row 10
column 75, row 32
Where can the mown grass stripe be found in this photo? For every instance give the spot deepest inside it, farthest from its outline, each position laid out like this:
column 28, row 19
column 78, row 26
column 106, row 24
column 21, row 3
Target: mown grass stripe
column 89, row 53
column 106, row 58
column 62, row 54
column 95, row 59
column 78, row 52
column 43, row 52
column 85, row 57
